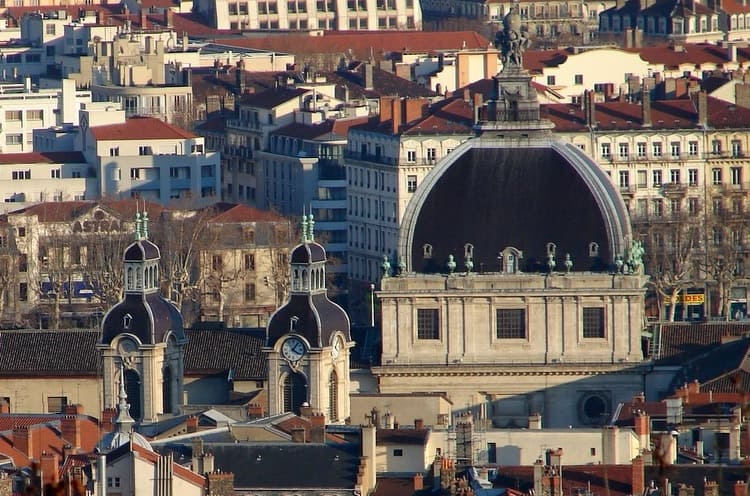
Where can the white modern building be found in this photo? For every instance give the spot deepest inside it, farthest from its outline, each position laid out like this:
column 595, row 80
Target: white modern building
column 24, row 108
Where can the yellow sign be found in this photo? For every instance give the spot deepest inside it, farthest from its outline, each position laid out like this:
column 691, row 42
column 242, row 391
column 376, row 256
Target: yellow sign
column 689, row 299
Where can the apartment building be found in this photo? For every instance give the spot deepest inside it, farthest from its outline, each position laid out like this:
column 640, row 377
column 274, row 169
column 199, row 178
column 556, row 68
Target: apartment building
column 304, row 15
column 386, row 161
column 25, row 108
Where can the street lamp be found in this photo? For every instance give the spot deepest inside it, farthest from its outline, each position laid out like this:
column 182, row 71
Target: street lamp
column 372, row 305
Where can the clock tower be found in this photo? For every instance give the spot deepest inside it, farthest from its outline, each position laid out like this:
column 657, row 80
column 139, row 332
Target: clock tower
column 308, row 340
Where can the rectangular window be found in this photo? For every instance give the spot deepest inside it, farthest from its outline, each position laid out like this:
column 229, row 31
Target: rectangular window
column 716, row 176
column 593, row 322
column 54, row 173
column 674, row 149
column 624, row 179
column 398, row 452
column 249, row 261
column 578, row 79
column 736, row 175
column 674, row 206
column 718, row 206
column 216, row 262
column 23, row 291
column 550, row 80
column 656, row 149
column 145, row 150
column 606, row 150
column 692, row 206
column 13, row 115
column 411, row 184
column 674, row 176
column 641, row 150
column 23, row 263
column 56, row 404
column 13, row 139
column 623, row 151
column 693, row 148
column 250, row 291
column 511, row 323
column 736, row 148
column 656, row 178
column 658, row 207
column 21, row 175
column 34, row 115
column 716, row 147
column 135, row 173
column 431, row 155
column 411, row 156
column 428, row 323
column 21, row 232
column 736, row 206
column 693, row 177
column 114, row 151
column 642, row 178
column 491, row 453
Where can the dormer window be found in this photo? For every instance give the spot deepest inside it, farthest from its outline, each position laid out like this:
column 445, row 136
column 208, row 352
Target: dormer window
column 593, row 249
column 427, row 251
column 127, row 320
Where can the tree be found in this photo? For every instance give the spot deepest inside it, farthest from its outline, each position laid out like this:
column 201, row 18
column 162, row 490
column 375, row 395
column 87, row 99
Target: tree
column 103, row 270
column 671, row 244
column 8, row 274
column 59, row 264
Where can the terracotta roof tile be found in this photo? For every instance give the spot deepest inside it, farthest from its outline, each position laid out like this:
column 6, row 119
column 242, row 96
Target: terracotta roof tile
column 70, row 210
column 612, row 480
column 42, row 158
column 140, row 128
column 451, row 116
column 689, row 53
column 328, row 129
column 239, row 212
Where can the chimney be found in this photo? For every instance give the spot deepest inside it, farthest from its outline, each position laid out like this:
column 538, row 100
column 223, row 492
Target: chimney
column 419, row 423
column 703, row 122
column 368, row 452
column 535, row 421
column 240, row 77
column 208, row 462
column 255, row 410
column 385, row 109
column 710, row 488
column 305, row 411
column 629, row 38
column 317, row 428
column 646, row 108
column 643, row 429
column 415, row 108
column 685, row 490
column 108, row 419
column 220, row 484
column 639, row 398
column 478, row 102
column 74, row 409
column 70, row 427
column 395, row 115
column 185, row 41
column 23, row 440
column 589, row 108
column 638, row 476
column 419, row 484
column 740, row 488
column 368, row 76
column 298, row 434
column 192, row 424
column 4, row 406
column 49, row 468
column 538, row 476
column 610, row 444
column 144, row 19
column 169, row 18
column 467, row 95
column 742, row 95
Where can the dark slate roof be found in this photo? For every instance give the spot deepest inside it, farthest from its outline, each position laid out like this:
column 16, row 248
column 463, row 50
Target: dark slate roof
column 272, row 98
column 416, row 437
column 723, row 369
column 213, row 351
column 153, row 317
column 48, row 353
column 141, row 250
column 318, row 319
column 288, row 466
column 384, row 83
column 681, row 342
column 463, row 204
column 306, row 253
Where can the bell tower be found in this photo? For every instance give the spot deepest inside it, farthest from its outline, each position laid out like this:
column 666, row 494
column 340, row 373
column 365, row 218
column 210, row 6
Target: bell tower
column 142, row 340
column 308, row 340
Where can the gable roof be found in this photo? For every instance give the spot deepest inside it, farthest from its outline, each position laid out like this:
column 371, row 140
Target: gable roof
column 330, row 129
column 611, row 480
column 239, row 212
column 272, row 97
column 153, row 457
column 219, row 351
column 680, row 342
column 43, row 353
column 140, row 128
column 42, row 158
column 71, row 210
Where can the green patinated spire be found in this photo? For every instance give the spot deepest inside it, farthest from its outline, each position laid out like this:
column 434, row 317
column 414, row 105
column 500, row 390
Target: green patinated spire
column 144, row 223
column 304, row 228
column 138, row 224
column 311, row 228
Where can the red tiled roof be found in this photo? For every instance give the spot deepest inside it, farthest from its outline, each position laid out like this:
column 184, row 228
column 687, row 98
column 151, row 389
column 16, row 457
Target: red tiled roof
column 536, row 60
column 665, row 114
column 74, row 11
column 734, row 7
column 361, row 43
column 689, row 53
column 239, row 212
column 140, row 128
column 31, row 158
column 333, row 127
column 393, row 486
column 452, row 116
column 612, row 480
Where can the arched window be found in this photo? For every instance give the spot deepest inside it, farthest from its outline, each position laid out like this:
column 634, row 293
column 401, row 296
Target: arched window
column 295, row 392
column 427, row 251
column 333, row 397
column 166, row 390
column 129, row 278
column 304, row 279
column 133, row 390
column 593, row 249
column 468, row 250
column 295, row 280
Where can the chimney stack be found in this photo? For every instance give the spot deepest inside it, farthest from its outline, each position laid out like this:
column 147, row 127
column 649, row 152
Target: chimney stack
column 107, row 421
column 144, row 19
column 646, row 108
column 419, row 483
column 740, row 488
column 50, row 468
column 589, row 108
column 643, row 429
column 70, row 427
column 419, row 423
column 369, row 84
column 169, row 18
column 317, row 428
column 638, row 476
column 23, row 440
column 192, row 424
column 396, row 115
column 702, row 122
column 298, row 434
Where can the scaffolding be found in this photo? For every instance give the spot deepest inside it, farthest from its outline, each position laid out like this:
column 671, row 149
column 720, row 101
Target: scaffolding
column 467, row 441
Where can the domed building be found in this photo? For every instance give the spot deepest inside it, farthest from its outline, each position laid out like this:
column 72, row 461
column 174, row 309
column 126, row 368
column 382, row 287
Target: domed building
column 308, row 340
column 519, row 288
column 142, row 339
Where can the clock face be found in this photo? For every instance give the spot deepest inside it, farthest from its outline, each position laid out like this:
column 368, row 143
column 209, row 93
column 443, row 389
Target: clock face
column 293, row 349
column 337, row 346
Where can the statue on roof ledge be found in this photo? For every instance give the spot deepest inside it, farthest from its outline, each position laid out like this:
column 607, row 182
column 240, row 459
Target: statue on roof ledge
column 512, row 41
